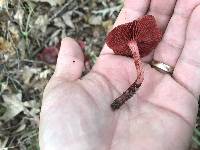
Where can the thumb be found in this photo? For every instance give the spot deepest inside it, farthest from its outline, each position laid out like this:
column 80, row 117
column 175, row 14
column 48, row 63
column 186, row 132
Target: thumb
column 70, row 62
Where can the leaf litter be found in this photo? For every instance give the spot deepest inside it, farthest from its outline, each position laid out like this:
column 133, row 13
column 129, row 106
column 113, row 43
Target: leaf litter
column 30, row 34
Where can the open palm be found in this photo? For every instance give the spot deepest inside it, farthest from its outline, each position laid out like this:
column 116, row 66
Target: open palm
column 76, row 111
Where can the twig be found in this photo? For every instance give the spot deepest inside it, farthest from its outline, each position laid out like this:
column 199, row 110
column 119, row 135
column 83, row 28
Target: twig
column 32, row 61
column 60, row 11
column 106, row 11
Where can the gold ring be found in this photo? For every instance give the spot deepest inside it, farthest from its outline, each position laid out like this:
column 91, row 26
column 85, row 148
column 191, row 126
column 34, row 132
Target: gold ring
column 162, row 67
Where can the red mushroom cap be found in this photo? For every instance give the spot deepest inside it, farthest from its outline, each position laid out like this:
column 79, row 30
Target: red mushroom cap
column 143, row 30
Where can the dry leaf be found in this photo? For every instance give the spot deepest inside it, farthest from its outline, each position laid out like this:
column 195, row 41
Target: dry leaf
column 2, row 3
column 28, row 73
column 67, row 20
column 108, row 25
column 22, row 47
column 13, row 104
column 59, row 23
column 42, row 22
column 34, row 108
column 20, row 128
column 5, row 46
column 44, row 74
column 2, row 110
column 4, row 86
column 19, row 16
column 95, row 20
column 52, row 2
column 14, row 33
column 3, row 143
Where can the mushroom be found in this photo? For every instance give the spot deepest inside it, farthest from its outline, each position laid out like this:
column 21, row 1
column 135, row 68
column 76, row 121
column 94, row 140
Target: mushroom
column 135, row 39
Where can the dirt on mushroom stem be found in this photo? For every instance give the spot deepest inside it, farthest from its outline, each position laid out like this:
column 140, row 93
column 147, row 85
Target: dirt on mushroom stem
column 118, row 102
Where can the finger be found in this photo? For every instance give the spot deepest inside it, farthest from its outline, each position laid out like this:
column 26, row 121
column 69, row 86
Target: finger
column 162, row 15
column 187, row 71
column 162, row 11
column 170, row 47
column 132, row 10
column 70, row 61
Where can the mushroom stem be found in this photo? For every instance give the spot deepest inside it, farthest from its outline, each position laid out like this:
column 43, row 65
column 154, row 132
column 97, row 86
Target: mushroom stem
column 118, row 102
column 137, row 60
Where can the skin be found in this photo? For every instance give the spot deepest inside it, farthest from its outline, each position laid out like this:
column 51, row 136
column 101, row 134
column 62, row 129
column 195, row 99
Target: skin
column 76, row 111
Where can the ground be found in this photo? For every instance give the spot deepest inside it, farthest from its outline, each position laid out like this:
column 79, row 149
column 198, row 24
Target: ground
column 30, row 35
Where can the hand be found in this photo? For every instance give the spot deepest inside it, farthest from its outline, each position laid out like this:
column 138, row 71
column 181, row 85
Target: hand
column 76, row 113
